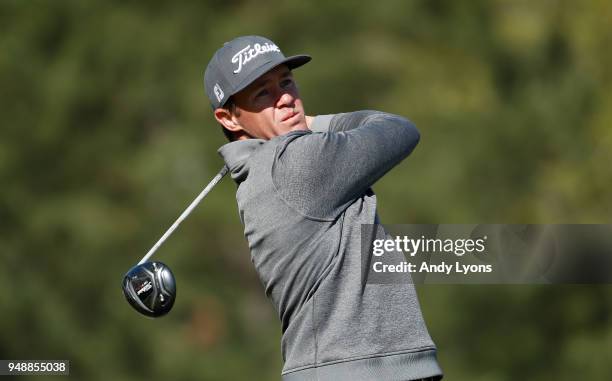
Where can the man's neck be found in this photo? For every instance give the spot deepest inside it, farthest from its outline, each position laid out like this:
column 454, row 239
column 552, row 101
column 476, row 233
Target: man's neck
column 309, row 120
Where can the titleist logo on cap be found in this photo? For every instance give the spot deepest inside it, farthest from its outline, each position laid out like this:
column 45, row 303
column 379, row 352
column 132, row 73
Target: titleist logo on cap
column 247, row 54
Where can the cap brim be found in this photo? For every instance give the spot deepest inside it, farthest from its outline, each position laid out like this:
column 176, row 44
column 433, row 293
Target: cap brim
column 292, row 62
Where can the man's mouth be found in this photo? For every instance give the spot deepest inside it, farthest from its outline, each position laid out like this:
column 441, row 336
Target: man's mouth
column 289, row 116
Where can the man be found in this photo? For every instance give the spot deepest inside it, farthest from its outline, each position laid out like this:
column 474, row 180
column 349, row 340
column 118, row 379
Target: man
column 303, row 196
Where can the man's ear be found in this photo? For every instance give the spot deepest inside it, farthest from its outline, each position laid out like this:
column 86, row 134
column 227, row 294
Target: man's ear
column 227, row 120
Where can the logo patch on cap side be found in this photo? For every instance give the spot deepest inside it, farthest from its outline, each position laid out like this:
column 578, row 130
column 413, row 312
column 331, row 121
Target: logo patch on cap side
column 247, row 54
column 218, row 92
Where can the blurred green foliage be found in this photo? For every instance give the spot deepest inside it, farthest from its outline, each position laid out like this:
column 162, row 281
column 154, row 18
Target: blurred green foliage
column 106, row 135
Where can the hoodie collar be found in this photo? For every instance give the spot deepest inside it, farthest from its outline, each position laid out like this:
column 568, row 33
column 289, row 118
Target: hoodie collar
column 235, row 155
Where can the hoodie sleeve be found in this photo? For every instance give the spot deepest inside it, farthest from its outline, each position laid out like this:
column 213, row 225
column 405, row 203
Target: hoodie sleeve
column 321, row 173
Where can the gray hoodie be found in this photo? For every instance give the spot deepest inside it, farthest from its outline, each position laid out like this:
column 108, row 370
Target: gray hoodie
column 303, row 198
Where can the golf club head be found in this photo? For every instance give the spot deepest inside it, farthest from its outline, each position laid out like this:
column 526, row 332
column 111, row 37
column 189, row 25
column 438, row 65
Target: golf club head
column 150, row 288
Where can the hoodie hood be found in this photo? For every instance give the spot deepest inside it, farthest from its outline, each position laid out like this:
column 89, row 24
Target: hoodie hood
column 236, row 155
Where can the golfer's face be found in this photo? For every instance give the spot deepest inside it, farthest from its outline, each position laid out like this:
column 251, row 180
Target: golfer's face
column 271, row 106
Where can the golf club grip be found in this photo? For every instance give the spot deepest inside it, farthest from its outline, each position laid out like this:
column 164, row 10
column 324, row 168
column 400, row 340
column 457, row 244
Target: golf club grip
column 185, row 213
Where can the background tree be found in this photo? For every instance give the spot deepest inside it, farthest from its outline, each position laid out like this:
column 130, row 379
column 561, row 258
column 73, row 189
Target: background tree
column 107, row 135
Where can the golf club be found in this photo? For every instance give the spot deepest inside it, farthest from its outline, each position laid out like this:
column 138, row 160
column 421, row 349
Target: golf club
column 150, row 287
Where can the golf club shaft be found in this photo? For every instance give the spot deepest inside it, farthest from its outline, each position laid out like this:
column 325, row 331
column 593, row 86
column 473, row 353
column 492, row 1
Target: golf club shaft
column 184, row 215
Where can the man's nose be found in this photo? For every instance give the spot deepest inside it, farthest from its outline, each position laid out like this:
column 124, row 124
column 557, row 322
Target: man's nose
column 285, row 99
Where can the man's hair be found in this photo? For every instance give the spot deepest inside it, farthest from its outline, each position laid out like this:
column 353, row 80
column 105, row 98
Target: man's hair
column 230, row 106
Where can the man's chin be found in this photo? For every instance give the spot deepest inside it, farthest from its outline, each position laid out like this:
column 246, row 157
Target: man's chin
column 299, row 124
column 296, row 126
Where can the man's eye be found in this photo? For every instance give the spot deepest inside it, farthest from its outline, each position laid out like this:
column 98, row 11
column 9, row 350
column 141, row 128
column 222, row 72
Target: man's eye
column 262, row 93
column 286, row 83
